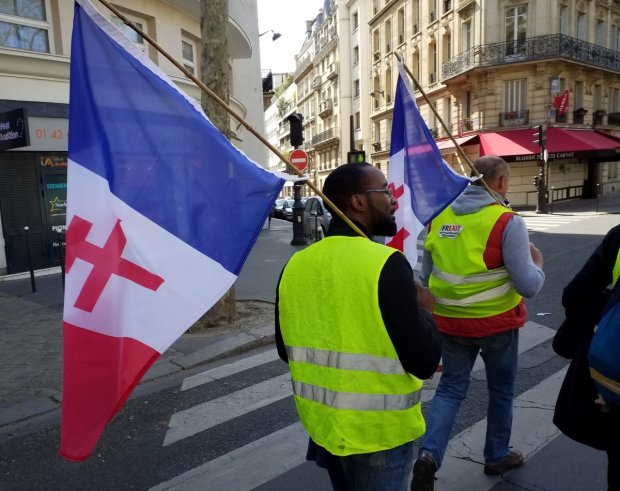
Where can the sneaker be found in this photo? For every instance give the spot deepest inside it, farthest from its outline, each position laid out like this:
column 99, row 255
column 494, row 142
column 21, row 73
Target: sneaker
column 514, row 459
column 424, row 473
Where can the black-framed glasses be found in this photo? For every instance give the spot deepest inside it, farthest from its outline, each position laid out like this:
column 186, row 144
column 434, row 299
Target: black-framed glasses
column 387, row 191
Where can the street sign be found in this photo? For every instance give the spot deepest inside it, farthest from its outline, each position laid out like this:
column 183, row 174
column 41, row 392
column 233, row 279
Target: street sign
column 299, row 158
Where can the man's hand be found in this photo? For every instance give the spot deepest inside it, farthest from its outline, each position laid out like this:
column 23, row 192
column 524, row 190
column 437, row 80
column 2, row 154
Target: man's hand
column 426, row 300
column 537, row 256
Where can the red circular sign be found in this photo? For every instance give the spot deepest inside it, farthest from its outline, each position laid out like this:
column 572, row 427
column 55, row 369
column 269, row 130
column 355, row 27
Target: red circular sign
column 299, row 158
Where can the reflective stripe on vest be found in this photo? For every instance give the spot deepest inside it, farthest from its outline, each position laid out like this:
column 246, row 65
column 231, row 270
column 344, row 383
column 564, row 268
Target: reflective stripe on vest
column 345, row 361
column 358, row 402
column 455, row 279
column 496, row 292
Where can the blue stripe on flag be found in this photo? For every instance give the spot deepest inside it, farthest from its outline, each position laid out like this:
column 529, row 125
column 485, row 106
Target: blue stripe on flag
column 434, row 185
column 159, row 154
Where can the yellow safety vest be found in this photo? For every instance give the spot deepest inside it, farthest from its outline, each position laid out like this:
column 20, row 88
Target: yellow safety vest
column 352, row 394
column 462, row 284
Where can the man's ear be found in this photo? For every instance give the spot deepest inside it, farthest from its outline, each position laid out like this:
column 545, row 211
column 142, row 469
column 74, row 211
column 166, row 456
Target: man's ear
column 357, row 202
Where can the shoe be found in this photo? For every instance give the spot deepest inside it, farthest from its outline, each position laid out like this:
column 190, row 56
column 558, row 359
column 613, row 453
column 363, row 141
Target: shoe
column 514, row 459
column 424, row 473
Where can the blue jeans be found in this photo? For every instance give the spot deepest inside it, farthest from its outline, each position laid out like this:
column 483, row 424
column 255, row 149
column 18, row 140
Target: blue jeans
column 500, row 354
column 387, row 470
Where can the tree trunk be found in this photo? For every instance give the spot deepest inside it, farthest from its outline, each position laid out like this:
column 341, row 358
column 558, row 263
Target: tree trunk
column 214, row 72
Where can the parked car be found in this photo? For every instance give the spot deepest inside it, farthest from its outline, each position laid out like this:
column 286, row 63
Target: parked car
column 278, row 208
column 288, row 210
column 316, row 219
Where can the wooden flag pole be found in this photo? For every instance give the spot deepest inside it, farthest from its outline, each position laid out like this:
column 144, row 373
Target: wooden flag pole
column 230, row 111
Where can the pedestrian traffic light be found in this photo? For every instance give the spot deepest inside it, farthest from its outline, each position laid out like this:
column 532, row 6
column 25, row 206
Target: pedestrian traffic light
column 356, row 156
column 541, row 136
column 535, row 181
column 296, row 129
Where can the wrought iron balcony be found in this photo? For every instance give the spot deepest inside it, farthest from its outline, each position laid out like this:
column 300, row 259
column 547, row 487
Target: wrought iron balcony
column 514, row 118
column 324, row 136
column 532, row 49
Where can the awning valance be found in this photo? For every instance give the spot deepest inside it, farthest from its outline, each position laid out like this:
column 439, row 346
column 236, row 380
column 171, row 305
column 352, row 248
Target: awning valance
column 562, row 143
column 447, row 144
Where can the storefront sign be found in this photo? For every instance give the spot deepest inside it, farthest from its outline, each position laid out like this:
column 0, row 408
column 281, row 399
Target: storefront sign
column 47, row 135
column 14, row 129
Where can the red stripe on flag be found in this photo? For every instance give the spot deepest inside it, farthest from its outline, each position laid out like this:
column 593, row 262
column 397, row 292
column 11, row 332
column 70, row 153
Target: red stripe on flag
column 99, row 373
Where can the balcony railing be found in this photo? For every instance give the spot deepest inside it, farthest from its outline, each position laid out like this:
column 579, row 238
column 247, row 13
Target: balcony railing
column 325, row 108
column 514, row 118
column 536, row 48
column 316, row 83
column 324, row 136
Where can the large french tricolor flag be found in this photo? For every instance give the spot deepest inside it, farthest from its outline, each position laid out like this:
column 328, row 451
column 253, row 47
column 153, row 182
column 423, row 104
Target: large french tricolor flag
column 422, row 183
column 162, row 213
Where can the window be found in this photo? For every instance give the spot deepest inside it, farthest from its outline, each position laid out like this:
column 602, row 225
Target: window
column 376, row 47
column 516, row 30
column 615, row 38
column 598, row 97
column 432, row 8
column 356, row 120
column 356, row 55
column 388, row 37
column 188, row 50
column 447, row 47
column 401, row 26
column 447, row 6
column 356, row 88
column 581, row 26
column 432, row 63
column 23, row 25
column 133, row 36
column 564, row 29
column 600, row 32
column 356, row 21
column 466, row 35
column 415, row 16
column 388, row 86
column 614, row 100
column 515, row 95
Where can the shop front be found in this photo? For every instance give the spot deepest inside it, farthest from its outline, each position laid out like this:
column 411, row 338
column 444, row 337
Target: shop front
column 33, row 196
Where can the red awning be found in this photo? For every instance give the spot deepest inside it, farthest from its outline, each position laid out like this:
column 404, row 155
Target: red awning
column 518, row 145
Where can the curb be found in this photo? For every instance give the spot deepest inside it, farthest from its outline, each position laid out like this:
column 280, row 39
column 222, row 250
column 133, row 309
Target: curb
column 227, row 345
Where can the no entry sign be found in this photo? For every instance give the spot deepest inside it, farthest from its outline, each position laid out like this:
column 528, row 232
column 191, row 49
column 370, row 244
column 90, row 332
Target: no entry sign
column 299, row 158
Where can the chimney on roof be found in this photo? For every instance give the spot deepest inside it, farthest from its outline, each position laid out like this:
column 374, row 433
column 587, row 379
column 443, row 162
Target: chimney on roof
column 309, row 26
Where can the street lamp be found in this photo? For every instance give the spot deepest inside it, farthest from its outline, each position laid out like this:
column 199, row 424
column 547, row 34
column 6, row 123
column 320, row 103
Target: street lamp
column 275, row 36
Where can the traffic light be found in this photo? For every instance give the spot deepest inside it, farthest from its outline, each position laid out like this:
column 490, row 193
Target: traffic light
column 541, row 136
column 356, row 156
column 536, row 181
column 297, row 131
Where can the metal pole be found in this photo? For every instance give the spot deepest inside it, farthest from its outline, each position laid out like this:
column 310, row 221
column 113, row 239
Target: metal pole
column 230, row 111
column 598, row 188
column 298, row 217
column 32, row 282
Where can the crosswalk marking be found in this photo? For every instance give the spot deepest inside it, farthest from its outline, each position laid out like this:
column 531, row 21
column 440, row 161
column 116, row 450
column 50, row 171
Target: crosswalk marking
column 266, row 459
column 530, row 335
column 211, row 413
column 532, row 429
column 261, row 461
column 542, row 222
column 229, row 369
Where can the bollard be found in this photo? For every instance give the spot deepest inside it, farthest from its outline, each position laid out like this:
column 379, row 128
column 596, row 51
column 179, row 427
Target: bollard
column 32, row 282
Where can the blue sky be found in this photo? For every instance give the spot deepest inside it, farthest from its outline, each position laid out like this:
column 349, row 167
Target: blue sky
column 288, row 17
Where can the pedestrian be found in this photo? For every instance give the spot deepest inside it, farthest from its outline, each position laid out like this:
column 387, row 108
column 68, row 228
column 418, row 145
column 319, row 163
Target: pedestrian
column 577, row 414
column 358, row 335
column 479, row 264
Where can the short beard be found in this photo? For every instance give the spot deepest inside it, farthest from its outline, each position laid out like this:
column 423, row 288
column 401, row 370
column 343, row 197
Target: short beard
column 382, row 225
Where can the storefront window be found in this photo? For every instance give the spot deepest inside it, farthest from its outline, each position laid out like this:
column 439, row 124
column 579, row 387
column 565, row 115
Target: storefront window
column 30, row 31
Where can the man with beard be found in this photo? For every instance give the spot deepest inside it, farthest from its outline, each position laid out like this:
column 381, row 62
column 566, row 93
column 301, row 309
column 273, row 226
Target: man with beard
column 358, row 336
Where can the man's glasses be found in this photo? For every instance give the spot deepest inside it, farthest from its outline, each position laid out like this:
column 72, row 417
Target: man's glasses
column 387, row 191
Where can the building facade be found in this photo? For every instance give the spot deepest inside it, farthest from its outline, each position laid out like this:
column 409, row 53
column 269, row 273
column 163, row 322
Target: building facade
column 35, row 40
column 494, row 71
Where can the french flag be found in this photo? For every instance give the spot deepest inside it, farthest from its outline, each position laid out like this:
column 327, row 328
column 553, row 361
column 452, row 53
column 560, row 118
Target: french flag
column 162, row 213
column 422, row 183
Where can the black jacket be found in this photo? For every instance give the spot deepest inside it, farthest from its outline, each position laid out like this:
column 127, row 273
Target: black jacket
column 584, row 297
